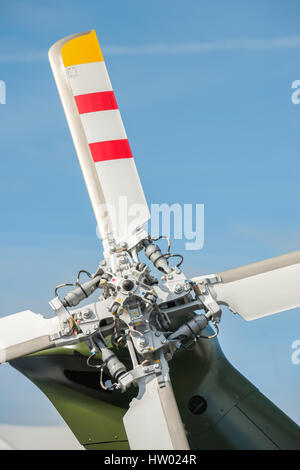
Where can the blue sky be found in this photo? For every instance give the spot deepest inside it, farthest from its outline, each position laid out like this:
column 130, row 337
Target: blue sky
column 204, row 88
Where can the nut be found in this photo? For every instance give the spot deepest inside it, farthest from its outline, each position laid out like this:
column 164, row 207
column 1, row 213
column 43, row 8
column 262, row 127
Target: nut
column 178, row 288
column 87, row 313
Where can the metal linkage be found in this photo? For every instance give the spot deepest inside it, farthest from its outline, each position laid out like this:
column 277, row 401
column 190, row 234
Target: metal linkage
column 135, row 312
column 202, row 291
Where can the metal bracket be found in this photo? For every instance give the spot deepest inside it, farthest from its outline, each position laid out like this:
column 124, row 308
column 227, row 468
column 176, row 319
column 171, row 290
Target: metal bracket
column 203, row 293
column 134, row 375
column 66, row 321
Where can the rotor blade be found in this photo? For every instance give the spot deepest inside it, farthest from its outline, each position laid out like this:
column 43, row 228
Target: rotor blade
column 260, row 289
column 153, row 421
column 25, row 333
column 99, row 137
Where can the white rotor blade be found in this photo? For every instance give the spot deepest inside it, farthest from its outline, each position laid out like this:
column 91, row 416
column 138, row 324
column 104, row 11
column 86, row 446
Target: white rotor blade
column 25, row 333
column 99, row 137
column 260, row 289
column 18, row 437
column 153, row 421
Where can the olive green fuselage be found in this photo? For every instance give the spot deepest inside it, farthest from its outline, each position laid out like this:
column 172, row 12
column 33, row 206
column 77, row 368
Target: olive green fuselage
column 219, row 407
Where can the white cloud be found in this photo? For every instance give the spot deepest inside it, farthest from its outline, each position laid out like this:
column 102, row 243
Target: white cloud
column 210, row 46
column 287, row 42
column 25, row 58
column 272, row 238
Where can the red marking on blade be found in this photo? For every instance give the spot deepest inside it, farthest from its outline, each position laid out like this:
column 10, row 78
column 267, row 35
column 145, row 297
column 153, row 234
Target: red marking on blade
column 92, row 102
column 110, row 150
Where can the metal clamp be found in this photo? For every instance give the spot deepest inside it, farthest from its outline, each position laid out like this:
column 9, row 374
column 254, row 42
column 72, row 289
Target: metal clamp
column 66, row 321
column 203, row 293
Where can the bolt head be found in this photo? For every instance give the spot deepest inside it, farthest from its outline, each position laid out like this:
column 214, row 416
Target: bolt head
column 178, row 288
column 87, row 313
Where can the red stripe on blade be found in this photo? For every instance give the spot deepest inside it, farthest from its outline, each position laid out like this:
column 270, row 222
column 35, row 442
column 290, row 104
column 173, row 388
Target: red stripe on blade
column 110, row 150
column 92, row 102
